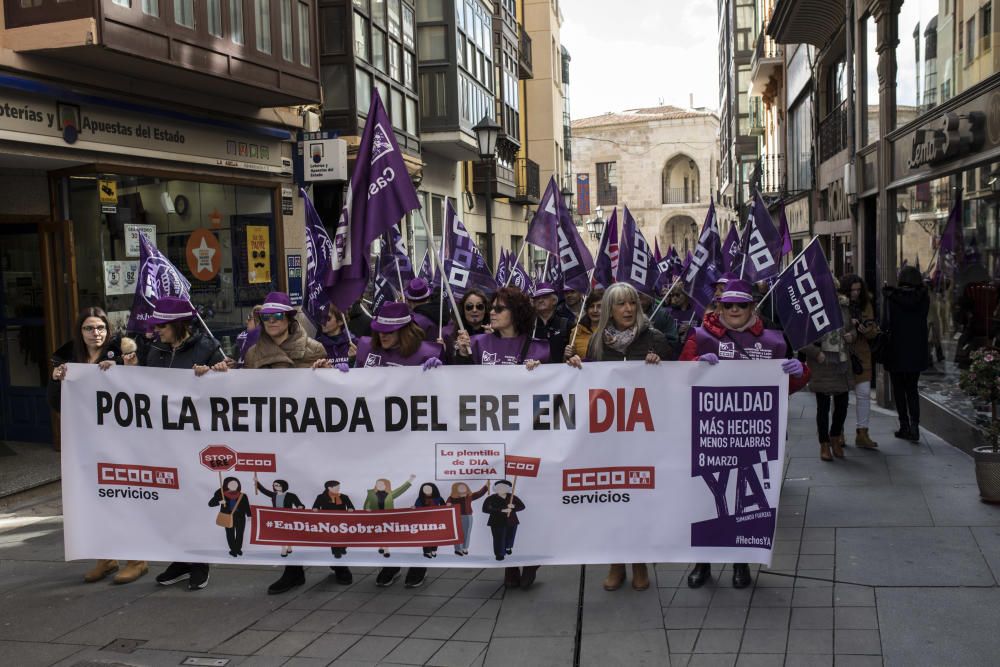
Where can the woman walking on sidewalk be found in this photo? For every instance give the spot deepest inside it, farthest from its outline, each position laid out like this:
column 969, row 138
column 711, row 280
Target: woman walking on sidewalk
column 865, row 329
column 907, row 357
column 624, row 333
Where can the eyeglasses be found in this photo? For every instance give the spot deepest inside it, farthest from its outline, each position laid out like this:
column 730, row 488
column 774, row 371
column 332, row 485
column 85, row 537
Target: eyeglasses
column 128, row 355
column 272, row 317
column 735, row 306
column 99, row 328
column 498, row 308
column 475, row 306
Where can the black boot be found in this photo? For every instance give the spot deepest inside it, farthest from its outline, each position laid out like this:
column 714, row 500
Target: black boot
column 701, row 573
column 904, row 430
column 294, row 575
column 741, row 575
column 913, row 435
column 342, row 575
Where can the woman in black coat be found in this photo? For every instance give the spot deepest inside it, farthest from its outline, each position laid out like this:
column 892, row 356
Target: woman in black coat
column 280, row 497
column 235, row 503
column 906, row 356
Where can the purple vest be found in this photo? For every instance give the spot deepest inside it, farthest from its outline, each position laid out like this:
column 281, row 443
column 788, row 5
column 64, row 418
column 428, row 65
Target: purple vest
column 742, row 344
column 492, row 350
column 337, row 347
column 367, row 357
column 683, row 316
column 430, row 328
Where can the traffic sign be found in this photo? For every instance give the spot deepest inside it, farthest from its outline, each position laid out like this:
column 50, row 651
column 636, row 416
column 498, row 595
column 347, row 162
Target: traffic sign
column 217, row 457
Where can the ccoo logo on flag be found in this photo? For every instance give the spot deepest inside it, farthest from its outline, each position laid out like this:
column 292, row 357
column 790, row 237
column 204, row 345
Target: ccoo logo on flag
column 381, row 145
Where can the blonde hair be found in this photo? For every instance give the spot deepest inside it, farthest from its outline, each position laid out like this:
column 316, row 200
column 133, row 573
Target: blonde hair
column 388, row 484
column 128, row 345
column 454, row 489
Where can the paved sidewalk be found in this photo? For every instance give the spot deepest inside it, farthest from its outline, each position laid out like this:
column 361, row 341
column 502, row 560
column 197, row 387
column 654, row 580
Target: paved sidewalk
column 885, row 557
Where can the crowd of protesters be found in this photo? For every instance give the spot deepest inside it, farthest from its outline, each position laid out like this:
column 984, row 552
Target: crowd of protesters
column 511, row 327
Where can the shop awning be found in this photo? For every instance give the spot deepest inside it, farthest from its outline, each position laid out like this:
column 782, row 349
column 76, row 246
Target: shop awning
column 806, row 21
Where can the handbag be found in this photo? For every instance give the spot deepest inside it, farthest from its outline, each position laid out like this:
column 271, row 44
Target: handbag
column 225, row 519
column 856, row 366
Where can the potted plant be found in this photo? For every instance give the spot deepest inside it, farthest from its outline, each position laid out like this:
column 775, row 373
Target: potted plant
column 982, row 380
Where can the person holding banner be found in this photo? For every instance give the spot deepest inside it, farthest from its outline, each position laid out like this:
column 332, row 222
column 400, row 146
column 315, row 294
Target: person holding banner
column 907, row 355
column 569, row 308
column 866, row 329
column 340, row 349
column 587, row 325
column 398, row 341
column 418, row 294
column 729, row 334
column 624, row 333
column 181, row 347
column 510, row 342
column 548, row 324
column 473, row 309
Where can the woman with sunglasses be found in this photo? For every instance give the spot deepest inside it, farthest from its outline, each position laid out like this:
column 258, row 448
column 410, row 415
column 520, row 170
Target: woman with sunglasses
column 179, row 346
column 92, row 344
column 737, row 324
column 509, row 343
column 339, row 344
column 474, row 309
column 624, row 333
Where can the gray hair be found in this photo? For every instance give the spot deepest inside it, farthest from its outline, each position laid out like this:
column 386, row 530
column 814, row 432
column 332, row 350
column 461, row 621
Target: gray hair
column 617, row 293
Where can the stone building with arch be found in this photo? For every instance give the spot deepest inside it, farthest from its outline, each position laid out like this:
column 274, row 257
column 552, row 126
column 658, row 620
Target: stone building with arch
column 662, row 162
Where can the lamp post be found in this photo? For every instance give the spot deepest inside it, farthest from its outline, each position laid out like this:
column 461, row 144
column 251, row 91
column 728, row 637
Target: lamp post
column 595, row 227
column 487, row 133
column 901, row 214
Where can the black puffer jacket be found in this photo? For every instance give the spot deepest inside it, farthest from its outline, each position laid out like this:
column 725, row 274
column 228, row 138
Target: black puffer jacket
column 198, row 349
column 907, row 308
column 64, row 355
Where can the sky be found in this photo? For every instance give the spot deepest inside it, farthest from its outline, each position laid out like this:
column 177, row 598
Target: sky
column 634, row 53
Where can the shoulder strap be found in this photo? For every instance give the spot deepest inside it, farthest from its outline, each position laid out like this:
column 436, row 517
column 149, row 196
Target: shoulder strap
column 738, row 346
column 524, row 349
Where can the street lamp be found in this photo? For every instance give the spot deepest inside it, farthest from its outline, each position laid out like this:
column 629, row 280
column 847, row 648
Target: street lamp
column 567, row 195
column 901, row 214
column 595, row 227
column 487, row 133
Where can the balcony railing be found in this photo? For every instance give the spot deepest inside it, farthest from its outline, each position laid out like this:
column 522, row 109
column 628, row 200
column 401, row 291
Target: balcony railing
column 766, row 47
column 524, row 56
column 756, row 121
column 772, row 174
column 499, row 175
column 681, row 196
column 526, row 177
column 833, row 132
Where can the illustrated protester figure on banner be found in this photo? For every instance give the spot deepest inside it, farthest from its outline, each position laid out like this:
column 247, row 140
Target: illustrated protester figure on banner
column 463, row 497
column 333, row 499
column 429, row 496
column 234, row 511
column 382, row 497
column 503, row 508
column 282, row 498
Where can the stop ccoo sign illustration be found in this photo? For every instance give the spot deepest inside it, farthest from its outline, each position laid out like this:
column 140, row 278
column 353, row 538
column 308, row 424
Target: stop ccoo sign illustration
column 218, row 457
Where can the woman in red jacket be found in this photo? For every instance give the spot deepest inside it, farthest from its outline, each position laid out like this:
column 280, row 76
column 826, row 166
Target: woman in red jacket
column 734, row 331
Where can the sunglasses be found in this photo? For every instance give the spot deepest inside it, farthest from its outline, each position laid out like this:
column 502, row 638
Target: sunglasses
column 475, row 306
column 100, row 328
column 735, row 306
column 498, row 308
column 272, row 317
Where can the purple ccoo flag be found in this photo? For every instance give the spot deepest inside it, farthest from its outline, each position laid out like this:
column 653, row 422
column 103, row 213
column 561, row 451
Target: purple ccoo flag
column 705, row 265
column 502, row 267
column 396, row 263
column 519, row 278
column 731, row 250
column 572, row 258
column 464, row 264
column 157, row 278
column 635, row 259
column 379, row 195
column 951, row 248
column 426, row 272
column 764, row 243
column 805, row 298
column 383, row 290
column 544, row 226
column 607, row 254
column 319, row 265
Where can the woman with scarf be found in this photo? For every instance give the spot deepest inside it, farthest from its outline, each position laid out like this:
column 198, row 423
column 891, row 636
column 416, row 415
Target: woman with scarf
column 510, row 344
column 232, row 503
column 284, row 344
column 333, row 499
column 339, row 344
column 463, row 497
column 623, row 333
column 737, row 324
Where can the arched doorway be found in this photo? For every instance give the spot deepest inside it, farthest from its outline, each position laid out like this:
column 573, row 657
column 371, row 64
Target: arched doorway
column 679, row 231
column 680, row 181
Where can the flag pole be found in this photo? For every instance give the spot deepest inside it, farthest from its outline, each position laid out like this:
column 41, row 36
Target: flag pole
column 583, row 306
column 399, row 274
column 447, row 285
column 444, row 216
column 664, row 297
column 517, row 260
column 790, row 265
column 343, row 319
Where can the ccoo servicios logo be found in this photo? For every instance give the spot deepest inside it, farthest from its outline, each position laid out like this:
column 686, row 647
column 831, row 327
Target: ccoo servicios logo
column 134, row 482
column 605, row 485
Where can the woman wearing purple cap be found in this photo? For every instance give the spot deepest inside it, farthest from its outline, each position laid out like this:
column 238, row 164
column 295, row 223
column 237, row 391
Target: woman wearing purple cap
column 418, row 296
column 180, row 346
column 736, row 332
column 396, row 341
column 284, row 344
column 624, row 333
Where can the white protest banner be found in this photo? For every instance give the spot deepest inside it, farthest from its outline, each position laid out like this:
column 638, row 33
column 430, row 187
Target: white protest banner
column 618, row 462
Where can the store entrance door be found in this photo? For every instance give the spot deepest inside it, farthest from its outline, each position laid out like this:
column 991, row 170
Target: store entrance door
column 24, row 359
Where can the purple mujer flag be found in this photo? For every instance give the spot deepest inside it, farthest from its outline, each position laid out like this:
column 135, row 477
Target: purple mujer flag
column 319, row 265
column 464, row 265
column 805, row 298
column 157, row 278
column 379, row 195
column 764, row 243
column 607, row 254
column 544, row 226
column 635, row 258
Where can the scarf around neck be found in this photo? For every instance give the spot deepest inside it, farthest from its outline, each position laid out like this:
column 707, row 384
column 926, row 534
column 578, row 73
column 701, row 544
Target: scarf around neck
column 619, row 340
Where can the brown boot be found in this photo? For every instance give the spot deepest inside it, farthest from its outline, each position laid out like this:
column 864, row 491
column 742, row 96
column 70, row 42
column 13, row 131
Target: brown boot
column 863, row 440
column 132, row 571
column 837, row 443
column 102, row 569
column 640, row 576
column 615, row 578
column 824, row 451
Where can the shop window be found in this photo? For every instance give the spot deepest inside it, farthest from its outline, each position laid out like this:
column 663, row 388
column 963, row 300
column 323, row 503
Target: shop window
column 236, row 21
column 224, row 243
column 184, row 13
column 262, row 23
